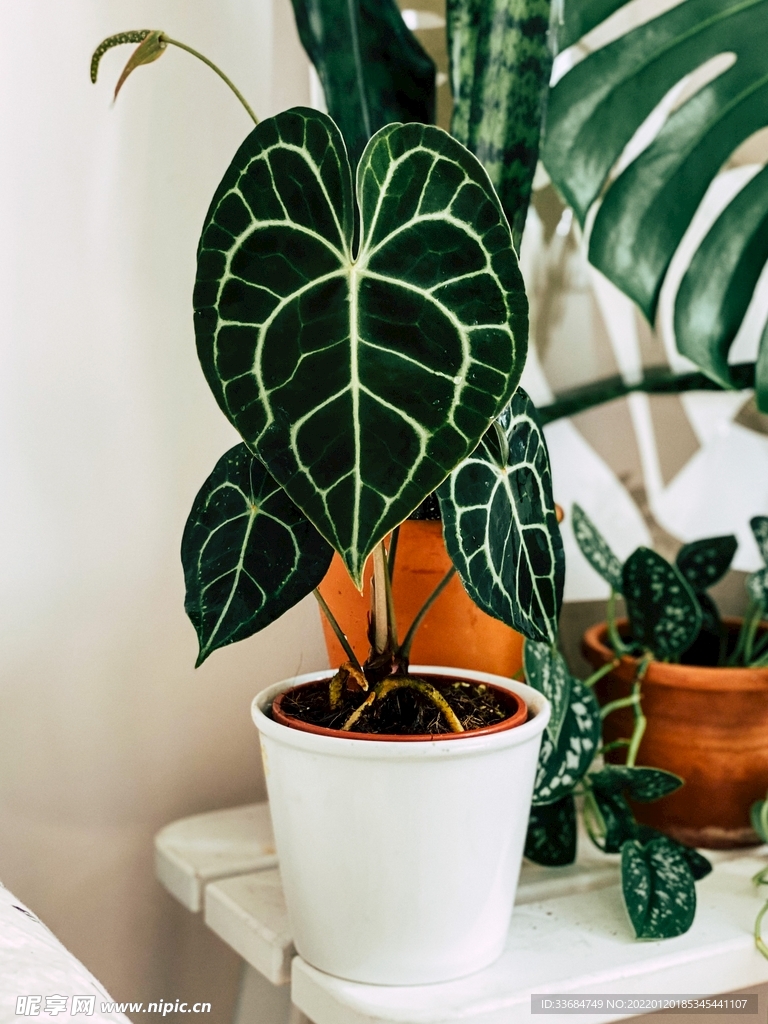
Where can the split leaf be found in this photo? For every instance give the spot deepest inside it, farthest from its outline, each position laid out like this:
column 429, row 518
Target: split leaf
column 248, row 553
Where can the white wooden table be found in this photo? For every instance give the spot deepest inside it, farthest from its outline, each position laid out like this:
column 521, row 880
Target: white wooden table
column 569, row 934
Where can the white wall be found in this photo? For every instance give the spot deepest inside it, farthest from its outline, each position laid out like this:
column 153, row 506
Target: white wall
column 107, row 430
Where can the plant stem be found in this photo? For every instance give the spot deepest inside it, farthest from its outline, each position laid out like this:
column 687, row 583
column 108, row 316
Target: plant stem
column 597, row 676
column 614, row 705
column 761, row 946
column 594, row 822
column 399, row 682
column 656, row 380
column 618, row 645
column 392, row 553
column 613, row 746
column 405, row 649
column 380, row 602
column 183, row 46
column 744, row 632
column 340, row 635
column 640, row 719
column 358, row 711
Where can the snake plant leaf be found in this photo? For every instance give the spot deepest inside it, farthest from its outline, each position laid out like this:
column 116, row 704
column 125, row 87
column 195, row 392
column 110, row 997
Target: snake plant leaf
column 699, row 865
column 551, row 836
column 562, row 765
column 658, row 889
column 248, row 553
column 500, row 64
column 500, row 526
column 597, row 107
column 704, row 562
column 372, row 68
column 664, row 614
column 759, row 526
column 639, row 783
column 546, row 671
column 595, row 549
column 361, row 373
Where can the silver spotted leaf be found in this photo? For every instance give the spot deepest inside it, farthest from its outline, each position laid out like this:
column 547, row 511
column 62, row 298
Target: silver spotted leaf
column 704, row 562
column 664, row 615
column 639, row 783
column 361, row 343
column 546, row 671
column 500, row 526
column 595, row 549
column 658, row 888
column 699, row 865
column 551, row 836
column 562, row 765
column 249, row 554
column 759, row 526
column 757, row 587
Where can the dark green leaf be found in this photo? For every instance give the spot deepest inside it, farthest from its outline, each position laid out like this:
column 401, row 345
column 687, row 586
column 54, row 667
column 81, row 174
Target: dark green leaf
column 758, row 814
column 710, row 614
column 596, row 109
column 373, row 70
column 500, row 67
column 642, row 784
column 360, row 380
column 562, row 765
column 551, row 838
column 546, row 671
column 704, row 562
column 759, row 526
column 658, row 888
column 595, row 549
column 618, row 820
column 757, row 586
column 699, row 865
column 663, row 611
column 500, row 525
column 248, row 553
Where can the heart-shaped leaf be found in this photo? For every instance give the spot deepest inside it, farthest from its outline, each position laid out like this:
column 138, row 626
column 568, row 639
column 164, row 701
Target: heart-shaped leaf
column 551, row 837
column 642, row 784
column 704, row 562
column 248, row 553
column 658, row 889
column 699, row 865
column 663, row 611
column 500, row 525
column 546, row 671
column 360, row 373
column 595, row 549
column 372, row 68
column 759, row 526
column 562, row 765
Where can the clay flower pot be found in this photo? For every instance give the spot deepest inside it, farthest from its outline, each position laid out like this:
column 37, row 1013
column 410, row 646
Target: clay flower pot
column 708, row 725
column 454, row 632
column 400, row 861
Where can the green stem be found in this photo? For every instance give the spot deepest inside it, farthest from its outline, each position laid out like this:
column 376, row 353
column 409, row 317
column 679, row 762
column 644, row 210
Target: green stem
column 744, row 632
column 656, row 380
column 761, row 946
column 405, row 650
column 618, row 645
column 640, row 719
column 760, row 878
column 597, row 676
column 340, row 635
column 501, row 437
column 614, row 705
column 183, row 46
column 594, row 822
column 752, row 632
column 613, row 746
column 392, row 553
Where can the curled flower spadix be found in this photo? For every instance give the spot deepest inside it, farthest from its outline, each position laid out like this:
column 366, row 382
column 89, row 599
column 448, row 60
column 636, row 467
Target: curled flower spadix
column 152, row 44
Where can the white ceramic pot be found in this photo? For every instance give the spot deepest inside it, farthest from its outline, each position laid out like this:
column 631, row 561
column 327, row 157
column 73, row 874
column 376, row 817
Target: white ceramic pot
column 400, row 861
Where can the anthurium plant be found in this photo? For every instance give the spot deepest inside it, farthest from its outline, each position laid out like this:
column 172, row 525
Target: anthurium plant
column 364, row 330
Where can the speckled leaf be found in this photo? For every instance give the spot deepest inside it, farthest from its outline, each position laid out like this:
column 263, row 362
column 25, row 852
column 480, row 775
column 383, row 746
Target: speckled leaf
column 663, row 611
column 757, row 586
column 658, row 888
column 372, row 68
column 618, row 820
column 595, row 549
column 561, row 766
column 500, row 525
column 551, row 838
column 361, row 375
column 759, row 526
column 546, row 671
column 699, row 865
column 704, row 562
column 500, row 67
column 248, row 553
column 640, row 783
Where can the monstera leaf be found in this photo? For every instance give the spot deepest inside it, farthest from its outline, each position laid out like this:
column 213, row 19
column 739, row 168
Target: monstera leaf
column 248, row 553
column 593, row 113
column 663, row 611
column 360, row 349
column 500, row 525
column 372, row 68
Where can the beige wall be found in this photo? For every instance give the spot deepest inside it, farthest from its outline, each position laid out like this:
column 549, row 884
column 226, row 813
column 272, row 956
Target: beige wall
column 107, row 430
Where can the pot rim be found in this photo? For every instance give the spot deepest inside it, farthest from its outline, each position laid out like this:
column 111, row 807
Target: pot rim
column 511, row 722
column 687, row 677
column 340, row 744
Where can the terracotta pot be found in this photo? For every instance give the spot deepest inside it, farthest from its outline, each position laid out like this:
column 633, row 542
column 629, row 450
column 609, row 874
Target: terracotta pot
column 514, row 703
column 454, row 631
column 708, row 725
